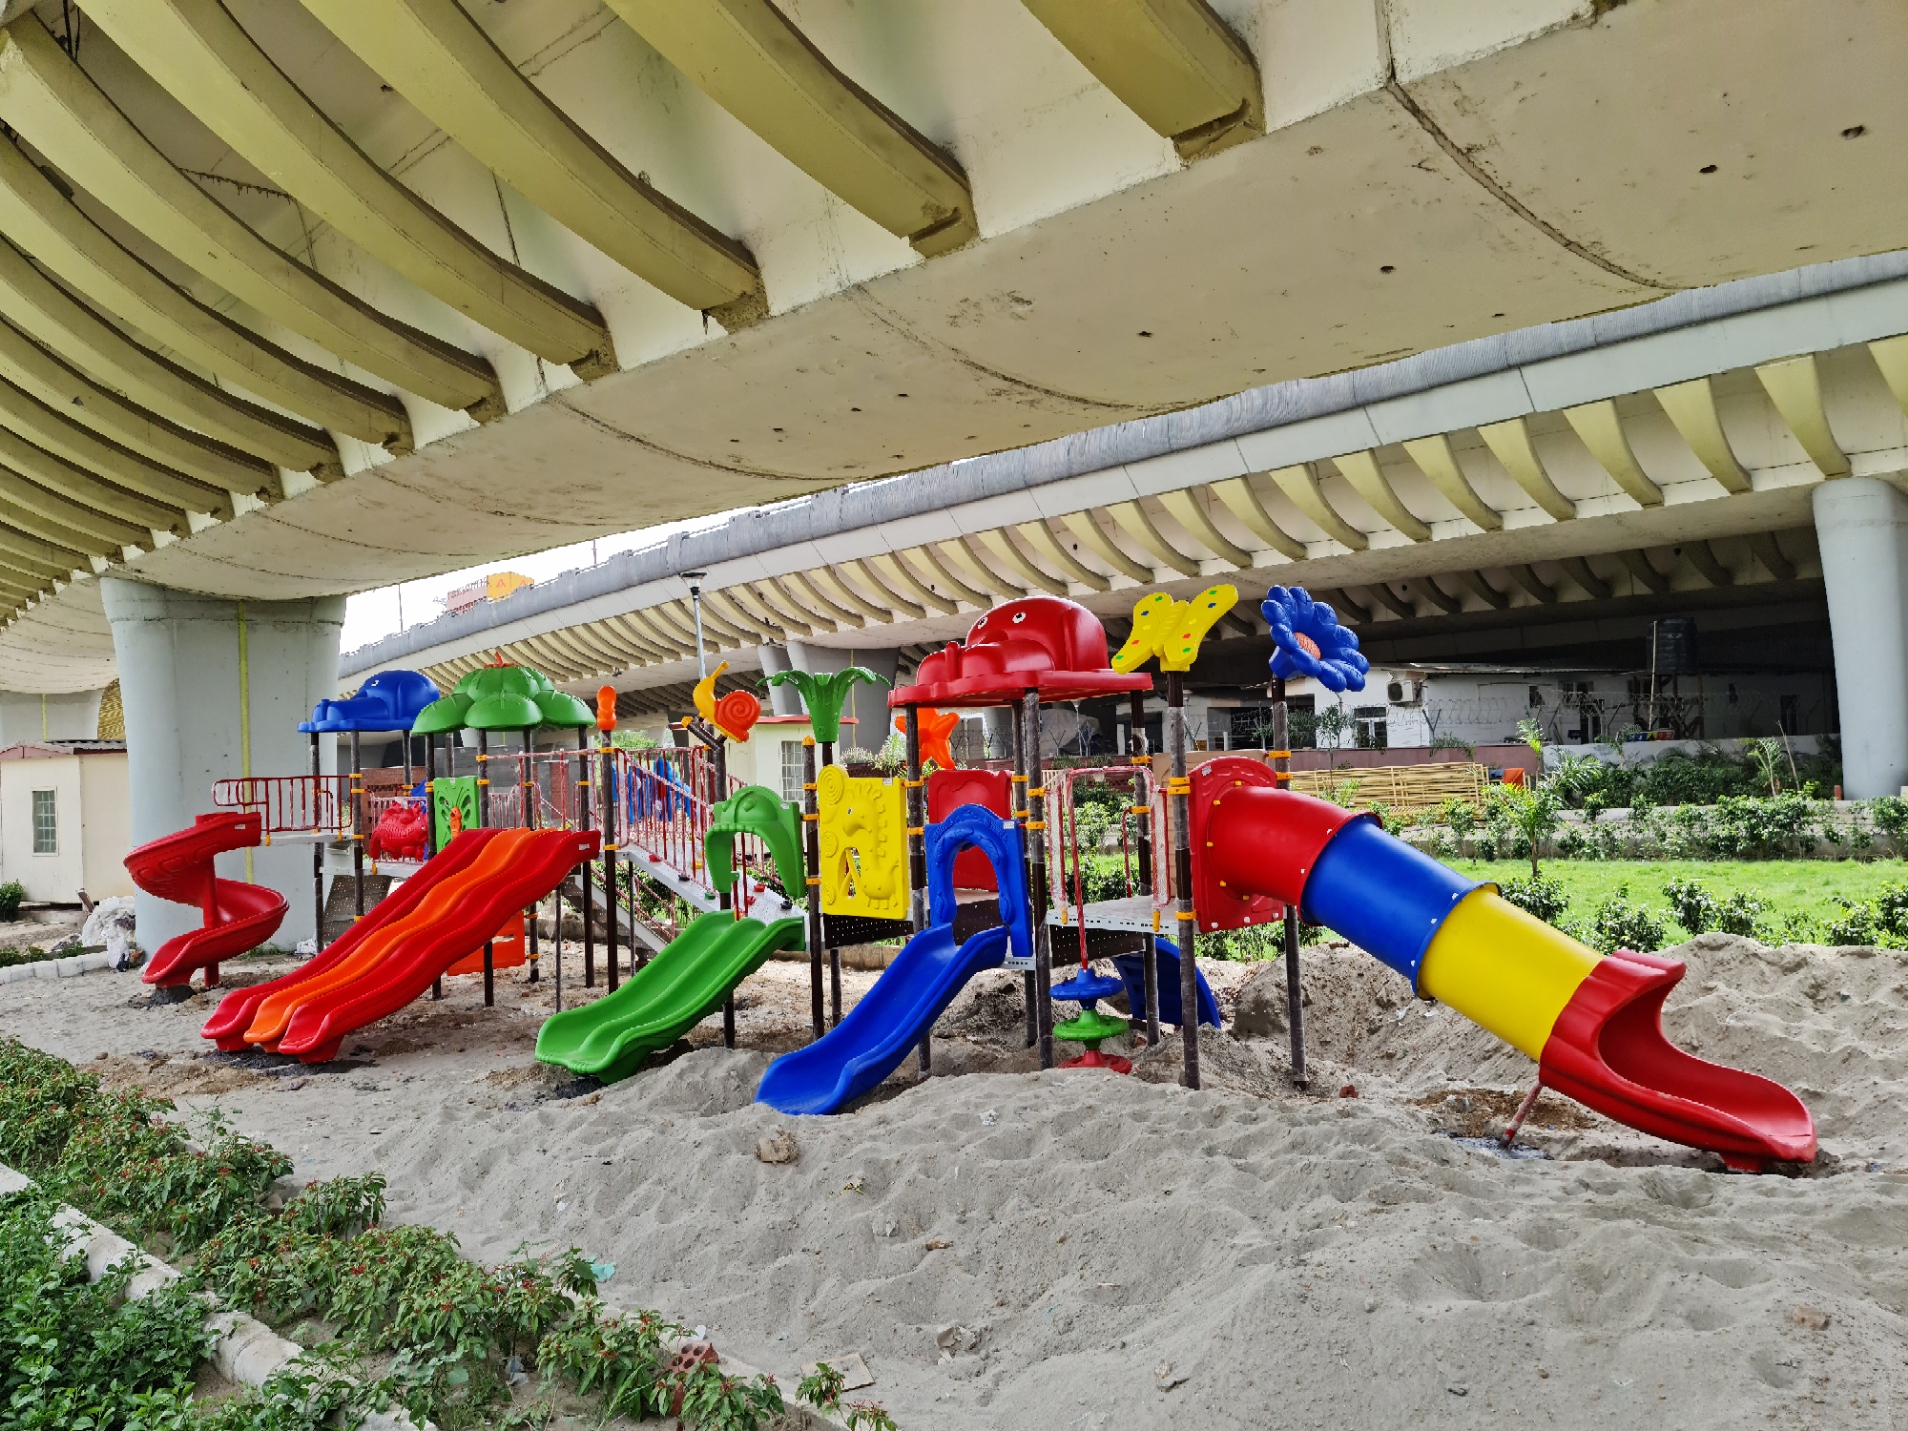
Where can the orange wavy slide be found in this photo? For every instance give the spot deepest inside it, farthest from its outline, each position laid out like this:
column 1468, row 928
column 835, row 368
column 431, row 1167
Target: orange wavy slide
column 274, row 1015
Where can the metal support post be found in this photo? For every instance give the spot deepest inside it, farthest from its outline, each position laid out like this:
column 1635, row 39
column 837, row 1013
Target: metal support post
column 811, row 866
column 1017, row 809
column 1037, row 882
column 317, row 850
column 483, row 823
column 1143, row 820
column 917, row 852
column 1178, row 791
column 357, row 827
column 1281, row 754
column 605, row 807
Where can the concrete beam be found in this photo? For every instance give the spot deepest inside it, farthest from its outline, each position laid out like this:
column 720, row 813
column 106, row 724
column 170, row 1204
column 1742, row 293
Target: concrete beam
column 1639, row 565
column 1087, row 528
column 1362, row 471
column 47, row 428
column 67, row 525
column 1440, row 464
column 199, row 53
column 1185, row 508
column 46, row 312
column 1794, row 385
column 1475, row 583
column 940, row 570
column 1001, row 545
column 451, row 70
column 200, row 466
column 1172, row 62
column 1300, row 484
column 1132, row 520
column 1041, row 536
column 1692, row 410
column 749, row 58
column 1702, row 556
column 88, row 491
column 69, row 119
column 1243, row 502
column 1601, row 429
column 46, row 224
column 1526, row 576
column 1510, row 443
column 889, row 564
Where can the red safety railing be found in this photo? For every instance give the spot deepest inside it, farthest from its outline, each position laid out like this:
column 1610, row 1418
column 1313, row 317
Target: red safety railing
column 1068, row 867
column 290, row 804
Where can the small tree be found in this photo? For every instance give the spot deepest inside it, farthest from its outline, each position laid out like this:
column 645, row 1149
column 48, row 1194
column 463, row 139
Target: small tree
column 1534, row 811
column 1765, row 758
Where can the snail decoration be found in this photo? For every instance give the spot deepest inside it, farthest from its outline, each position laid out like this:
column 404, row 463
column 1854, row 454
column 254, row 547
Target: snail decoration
column 734, row 714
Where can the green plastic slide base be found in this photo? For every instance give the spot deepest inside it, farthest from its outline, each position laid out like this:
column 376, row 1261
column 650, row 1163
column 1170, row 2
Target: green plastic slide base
column 674, row 991
column 1090, row 1026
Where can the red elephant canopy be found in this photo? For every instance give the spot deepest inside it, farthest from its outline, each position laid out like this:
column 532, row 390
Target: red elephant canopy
column 1041, row 643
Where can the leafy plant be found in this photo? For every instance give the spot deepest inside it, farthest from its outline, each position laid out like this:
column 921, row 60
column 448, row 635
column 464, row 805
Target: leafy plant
column 1855, row 925
column 11, row 894
column 1623, row 923
column 1765, row 757
column 1459, row 815
column 871, row 1415
column 1531, row 734
column 1742, row 913
column 821, row 1387
column 1692, row 903
column 1533, row 812
column 1538, row 896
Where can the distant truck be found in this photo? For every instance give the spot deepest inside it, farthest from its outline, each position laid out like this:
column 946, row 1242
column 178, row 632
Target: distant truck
column 494, row 587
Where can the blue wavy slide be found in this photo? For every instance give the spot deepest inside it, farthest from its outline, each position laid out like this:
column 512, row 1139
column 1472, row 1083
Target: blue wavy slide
column 869, row 1044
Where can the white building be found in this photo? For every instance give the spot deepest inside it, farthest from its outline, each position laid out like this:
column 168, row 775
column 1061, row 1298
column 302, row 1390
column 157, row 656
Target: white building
column 65, row 819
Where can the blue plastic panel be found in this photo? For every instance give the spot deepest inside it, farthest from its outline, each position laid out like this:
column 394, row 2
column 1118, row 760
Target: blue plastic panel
column 1383, row 895
column 1132, row 969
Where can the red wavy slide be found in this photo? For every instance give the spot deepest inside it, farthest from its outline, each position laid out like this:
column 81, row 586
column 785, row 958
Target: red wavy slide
column 238, row 916
column 488, row 875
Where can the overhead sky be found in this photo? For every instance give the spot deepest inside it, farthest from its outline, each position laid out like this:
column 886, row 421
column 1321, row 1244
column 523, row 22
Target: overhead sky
column 372, row 615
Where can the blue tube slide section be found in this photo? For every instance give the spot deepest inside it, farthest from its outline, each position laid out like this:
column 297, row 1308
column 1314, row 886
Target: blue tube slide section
column 869, row 1044
column 1132, row 969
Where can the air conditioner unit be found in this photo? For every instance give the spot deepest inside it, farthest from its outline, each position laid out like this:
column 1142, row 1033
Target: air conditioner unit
column 1404, row 693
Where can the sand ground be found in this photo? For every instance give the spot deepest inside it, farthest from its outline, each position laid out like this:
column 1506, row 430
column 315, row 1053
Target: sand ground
column 1008, row 1248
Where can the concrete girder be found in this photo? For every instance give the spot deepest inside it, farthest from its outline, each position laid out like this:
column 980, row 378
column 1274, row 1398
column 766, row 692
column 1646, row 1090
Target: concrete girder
column 574, row 649
column 30, row 508
column 1769, row 552
column 56, row 105
column 597, row 645
column 47, row 313
column 45, row 223
column 1439, row 463
column 1578, row 570
column 206, row 471
column 828, row 582
column 535, row 649
column 997, row 541
column 1042, row 536
column 1242, row 500
column 1172, row 62
column 1601, row 429
column 609, row 636
column 1891, row 356
column 86, row 491
column 674, row 619
column 962, row 558
column 713, row 623
column 1510, row 443
column 809, row 597
column 1475, row 583
column 1691, row 407
column 442, row 62
column 1300, row 484
column 749, row 58
column 1361, row 470
column 52, row 430
column 28, row 556
column 750, row 605
column 890, row 564
column 1397, row 604
column 1526, row 576
column 1639, row 565
column 1342, row 602
column 1437, row 595
column 642, row 638
column 1087, row 529
column 868, row 572
column 1702, row 556
column 1185, row 508
column 1134, row 521
column 972, row 595
column 786, row 607
column 198, row 52
column 740, row 617
column 1794, row 385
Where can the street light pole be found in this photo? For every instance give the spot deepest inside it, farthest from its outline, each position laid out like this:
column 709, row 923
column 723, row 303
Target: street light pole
column 694, row 578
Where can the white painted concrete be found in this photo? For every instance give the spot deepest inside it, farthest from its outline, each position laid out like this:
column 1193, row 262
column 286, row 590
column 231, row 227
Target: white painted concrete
column 1862, row 526
column 180, row 677
column 71, row 715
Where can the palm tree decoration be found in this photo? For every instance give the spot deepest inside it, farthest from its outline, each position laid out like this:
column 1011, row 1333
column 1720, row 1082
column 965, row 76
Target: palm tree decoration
column 824, row 693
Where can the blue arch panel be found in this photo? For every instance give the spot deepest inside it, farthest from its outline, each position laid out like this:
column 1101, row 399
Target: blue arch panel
column 998, row 838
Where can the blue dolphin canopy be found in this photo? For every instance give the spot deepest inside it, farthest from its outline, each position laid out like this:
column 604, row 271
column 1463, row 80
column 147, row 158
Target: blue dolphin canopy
column 390, row 700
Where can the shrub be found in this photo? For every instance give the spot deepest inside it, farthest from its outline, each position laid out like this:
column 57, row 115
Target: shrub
column 1538, row 896
column 1693, row 906
column 1855, row 924
column 1460, row 816
column 1623, row 923
column 1891, row 914
column 1742, row 913
column 11, row 893
column 1890, row 814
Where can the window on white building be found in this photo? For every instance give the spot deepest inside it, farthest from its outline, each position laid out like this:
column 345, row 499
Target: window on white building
column 1370, row 727
column 46, row 822
column 792, row 771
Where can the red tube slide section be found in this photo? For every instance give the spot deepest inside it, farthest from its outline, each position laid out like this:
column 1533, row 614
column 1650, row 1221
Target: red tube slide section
column 238, row 916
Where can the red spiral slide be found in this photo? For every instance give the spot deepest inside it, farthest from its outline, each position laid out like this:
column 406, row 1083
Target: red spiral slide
column 238, row 916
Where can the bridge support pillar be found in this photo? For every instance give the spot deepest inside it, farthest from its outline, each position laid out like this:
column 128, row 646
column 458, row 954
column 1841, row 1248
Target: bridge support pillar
column 1861, row 524
column 213, row 690
column 27, row 717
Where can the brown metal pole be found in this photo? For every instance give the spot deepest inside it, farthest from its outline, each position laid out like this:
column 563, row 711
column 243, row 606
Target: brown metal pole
column 606, row 822
column 811, row 865
column 317, row 850
column 527, row 819
column 483, row 823
column 430, row 824
column 1294, row 993
column 357, row 826
column 834, row 955
column 1037, row 892
column 589, row 894
column 917, row 852
column 1178, row 790
column 1143, row 820
column 719, row 782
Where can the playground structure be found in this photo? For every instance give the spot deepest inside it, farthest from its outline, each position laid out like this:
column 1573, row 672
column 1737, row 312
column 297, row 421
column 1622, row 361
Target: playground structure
column 973, row 868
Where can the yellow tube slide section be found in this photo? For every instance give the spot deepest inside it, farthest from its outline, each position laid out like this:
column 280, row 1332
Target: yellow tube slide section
column 1504, row 970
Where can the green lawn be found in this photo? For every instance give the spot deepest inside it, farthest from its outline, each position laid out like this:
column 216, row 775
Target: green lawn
column 1786, row 885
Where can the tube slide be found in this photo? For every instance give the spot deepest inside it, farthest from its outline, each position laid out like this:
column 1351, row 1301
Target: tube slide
column 238, row 916
column 1592, row 1023
column 870, row 1042
column 667, row 997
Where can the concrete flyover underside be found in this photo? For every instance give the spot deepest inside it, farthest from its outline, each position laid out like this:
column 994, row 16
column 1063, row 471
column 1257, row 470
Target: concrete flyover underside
column 1426, row 175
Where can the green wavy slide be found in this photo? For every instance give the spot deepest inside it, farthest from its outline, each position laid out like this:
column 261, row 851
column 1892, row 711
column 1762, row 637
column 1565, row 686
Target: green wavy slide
column 666, row 997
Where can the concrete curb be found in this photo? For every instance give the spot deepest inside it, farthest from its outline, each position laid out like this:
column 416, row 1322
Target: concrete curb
column 69, row 967
column 247, row 1351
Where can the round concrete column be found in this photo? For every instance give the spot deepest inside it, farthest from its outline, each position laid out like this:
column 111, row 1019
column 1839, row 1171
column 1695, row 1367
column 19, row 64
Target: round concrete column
column 1861, row 524
column 184, row 688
